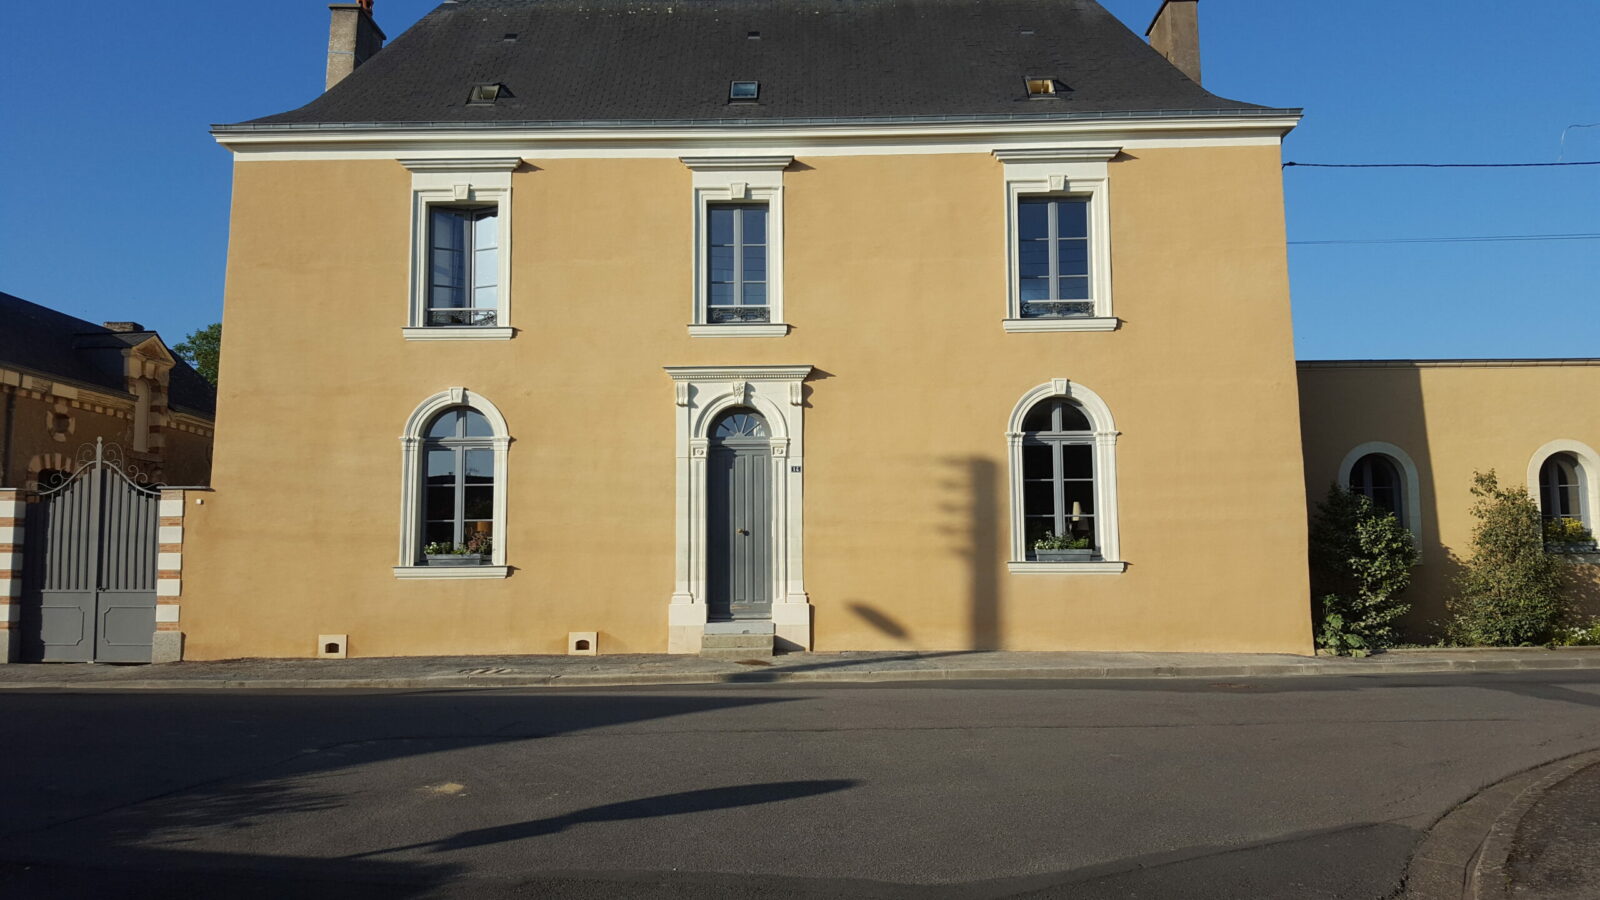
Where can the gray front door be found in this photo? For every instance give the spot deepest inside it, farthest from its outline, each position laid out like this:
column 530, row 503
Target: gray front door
column 739, row 497
column 89, row 568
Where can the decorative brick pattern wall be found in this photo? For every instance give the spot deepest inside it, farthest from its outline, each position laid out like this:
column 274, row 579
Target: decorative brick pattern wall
column 166, row 645
column 10, row 574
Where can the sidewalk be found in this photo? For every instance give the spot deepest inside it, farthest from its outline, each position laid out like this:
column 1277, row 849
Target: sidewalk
column 810, row 668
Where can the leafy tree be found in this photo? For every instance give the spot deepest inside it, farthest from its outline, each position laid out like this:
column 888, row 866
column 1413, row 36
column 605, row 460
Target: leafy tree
column 1510, row 593
column 1361, row 559
column 203, row 350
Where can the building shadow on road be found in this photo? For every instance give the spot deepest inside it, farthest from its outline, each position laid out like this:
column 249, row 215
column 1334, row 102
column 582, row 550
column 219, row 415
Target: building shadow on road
column 677, row 804
column 78, row 827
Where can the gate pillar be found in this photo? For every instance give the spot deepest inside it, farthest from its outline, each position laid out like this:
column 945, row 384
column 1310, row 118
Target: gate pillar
column 10, row 574
column 166, row 645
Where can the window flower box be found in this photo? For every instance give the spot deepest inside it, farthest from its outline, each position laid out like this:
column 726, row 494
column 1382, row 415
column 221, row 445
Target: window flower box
column 455, row 559
column 1063, row 555
column 1571, row 546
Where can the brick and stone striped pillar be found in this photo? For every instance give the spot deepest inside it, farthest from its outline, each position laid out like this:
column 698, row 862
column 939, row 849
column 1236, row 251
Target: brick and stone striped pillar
column 166, row 645
column 11, row 513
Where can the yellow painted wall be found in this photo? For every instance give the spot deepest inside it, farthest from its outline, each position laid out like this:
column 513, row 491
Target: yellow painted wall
column 895, row 285
column 1451, row 421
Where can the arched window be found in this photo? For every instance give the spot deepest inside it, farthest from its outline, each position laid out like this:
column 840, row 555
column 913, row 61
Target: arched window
column 1565, row 476
column 1376, row 477
column 1058, row 475
column 1385, row 474
column 1063, row 482
column 453, row 489
column 1561, row 488
column 459, row 485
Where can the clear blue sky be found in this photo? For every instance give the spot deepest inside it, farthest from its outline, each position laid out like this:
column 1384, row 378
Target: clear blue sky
column 116, row 198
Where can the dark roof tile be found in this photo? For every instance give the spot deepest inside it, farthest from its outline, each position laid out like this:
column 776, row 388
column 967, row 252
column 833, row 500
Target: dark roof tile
column 672, row 60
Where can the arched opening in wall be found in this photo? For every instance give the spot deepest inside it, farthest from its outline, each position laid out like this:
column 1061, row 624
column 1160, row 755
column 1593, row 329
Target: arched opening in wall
column 1377, row 477
column 1563, row 483
column 739, row 517
column 1059, row 513
column 458, row 488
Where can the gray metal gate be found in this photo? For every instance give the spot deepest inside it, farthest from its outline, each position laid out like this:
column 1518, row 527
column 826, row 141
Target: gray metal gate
column 89, row 564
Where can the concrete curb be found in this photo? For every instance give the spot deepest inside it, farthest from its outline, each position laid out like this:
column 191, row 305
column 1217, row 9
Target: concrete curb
column 1464, row 855
column 862, row 675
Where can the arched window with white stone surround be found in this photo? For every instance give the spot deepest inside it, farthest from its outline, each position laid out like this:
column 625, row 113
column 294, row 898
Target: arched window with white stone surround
column 1564, row 475
column 1063, row 465
column 453, row 489
column 1385, row 474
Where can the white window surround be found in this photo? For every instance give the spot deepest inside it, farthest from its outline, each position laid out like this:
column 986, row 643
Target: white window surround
column 702, row 393
column 1408, row 471
column 411, row 486
column 734, row 179
column 449, row 182
column 1105, row 483
column 1588, row 476
column 1062, row 172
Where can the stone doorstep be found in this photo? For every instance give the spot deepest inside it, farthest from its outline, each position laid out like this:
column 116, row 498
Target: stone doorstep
column 739, row 628
column 736, row 654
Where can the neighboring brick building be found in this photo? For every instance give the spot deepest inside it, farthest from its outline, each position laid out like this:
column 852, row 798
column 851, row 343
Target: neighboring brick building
column 65, row 382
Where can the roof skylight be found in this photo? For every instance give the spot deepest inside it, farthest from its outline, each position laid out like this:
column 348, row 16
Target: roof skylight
column 744, row 90
column 1042, row 87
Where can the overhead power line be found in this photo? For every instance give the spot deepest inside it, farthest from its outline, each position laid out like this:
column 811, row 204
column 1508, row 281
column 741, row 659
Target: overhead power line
column 1301, row 165
column 1463, row 240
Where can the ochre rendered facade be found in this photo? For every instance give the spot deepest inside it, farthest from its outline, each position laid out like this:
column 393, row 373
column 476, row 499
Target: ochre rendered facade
column 1451, row 418
column 895, row 285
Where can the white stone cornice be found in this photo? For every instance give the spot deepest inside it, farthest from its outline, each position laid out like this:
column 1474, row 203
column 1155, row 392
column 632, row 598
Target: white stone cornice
column 731, row 374
column 463, row 164
column 736, row 163
column 1057, row 154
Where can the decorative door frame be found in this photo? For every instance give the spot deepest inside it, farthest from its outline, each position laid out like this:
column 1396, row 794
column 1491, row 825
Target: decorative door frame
column 702, row 393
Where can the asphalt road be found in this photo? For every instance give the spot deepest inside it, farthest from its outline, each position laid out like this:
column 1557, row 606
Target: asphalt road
column 1264, row 788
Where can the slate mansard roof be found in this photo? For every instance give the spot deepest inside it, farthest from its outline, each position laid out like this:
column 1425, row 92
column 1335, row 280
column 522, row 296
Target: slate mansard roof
column 671, row 61
column 56, row 345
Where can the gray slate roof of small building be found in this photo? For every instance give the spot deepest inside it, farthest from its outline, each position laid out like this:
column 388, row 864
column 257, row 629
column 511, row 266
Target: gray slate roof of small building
column 672, row 61
column 54, row 344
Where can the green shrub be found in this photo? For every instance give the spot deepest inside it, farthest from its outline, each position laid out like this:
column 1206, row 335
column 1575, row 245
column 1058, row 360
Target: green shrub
column 1510, row 593
column 1565, row 530
column 1361, row 559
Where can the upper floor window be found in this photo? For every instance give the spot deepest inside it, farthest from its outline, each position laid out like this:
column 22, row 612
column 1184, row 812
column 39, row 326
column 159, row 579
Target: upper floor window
column 738, row 245
column 463, row 265
column 461, row 237
column 1058, row 239
column 736, row 263
column 1053, row 257
column 1375, row 477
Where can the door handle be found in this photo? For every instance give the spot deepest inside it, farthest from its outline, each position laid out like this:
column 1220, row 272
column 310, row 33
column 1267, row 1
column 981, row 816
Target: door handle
column 743, row 532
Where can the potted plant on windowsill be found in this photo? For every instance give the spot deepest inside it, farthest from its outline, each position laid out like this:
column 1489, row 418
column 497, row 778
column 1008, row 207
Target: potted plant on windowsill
column 475, row 552
column 1567, row 535
column 1062, row 548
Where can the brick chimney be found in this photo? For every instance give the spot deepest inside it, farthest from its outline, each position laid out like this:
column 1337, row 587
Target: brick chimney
column 353, row 37
column 1175, row 34
column 123, row 327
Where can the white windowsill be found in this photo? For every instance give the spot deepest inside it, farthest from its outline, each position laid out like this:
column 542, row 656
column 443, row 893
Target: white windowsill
column 459, row 333
column 1065, row 323
column 451, row 571
column 740, row 329
column 1094, row 567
